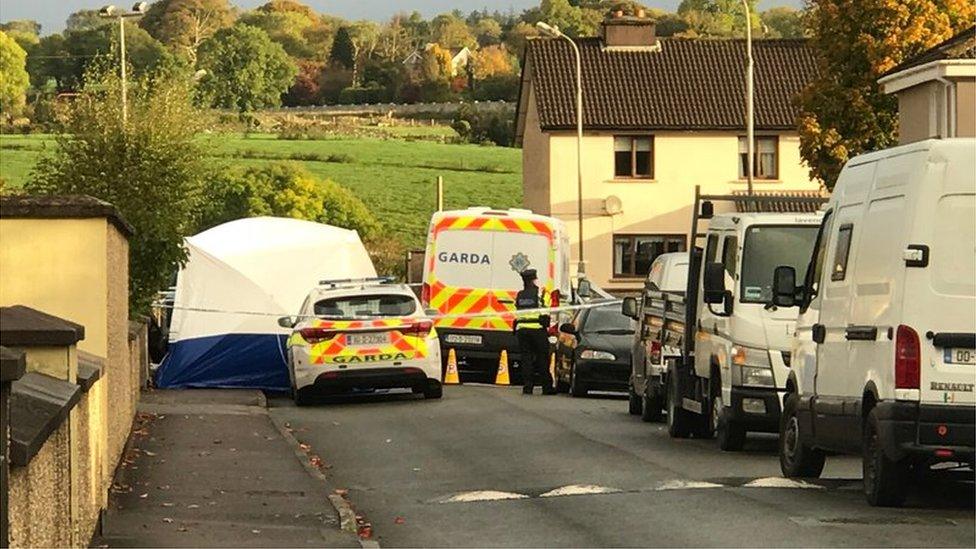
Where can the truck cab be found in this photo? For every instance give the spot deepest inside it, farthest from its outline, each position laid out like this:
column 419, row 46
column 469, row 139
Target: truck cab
column 742, row 343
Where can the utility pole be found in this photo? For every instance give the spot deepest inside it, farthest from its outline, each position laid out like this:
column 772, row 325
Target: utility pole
column 750, row 119
column 110, row 11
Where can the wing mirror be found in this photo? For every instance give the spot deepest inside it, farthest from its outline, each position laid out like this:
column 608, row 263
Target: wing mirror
column 584, row 288
column 287, row 322
column 629, row 307
column 715, row 292
column 567, row 328
column 784, row 286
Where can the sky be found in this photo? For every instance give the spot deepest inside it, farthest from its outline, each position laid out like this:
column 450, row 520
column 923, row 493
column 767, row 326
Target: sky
column 51, row 14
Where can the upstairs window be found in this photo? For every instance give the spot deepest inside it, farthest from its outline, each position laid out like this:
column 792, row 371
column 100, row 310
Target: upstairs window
column 766, row 160
column 633, row 157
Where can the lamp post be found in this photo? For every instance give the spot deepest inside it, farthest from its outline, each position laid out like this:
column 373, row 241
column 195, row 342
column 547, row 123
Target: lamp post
column 108, row 12
column 554, row 32
column 750, row 123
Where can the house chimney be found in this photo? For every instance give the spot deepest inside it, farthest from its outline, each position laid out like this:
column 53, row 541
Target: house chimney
column 628, row 31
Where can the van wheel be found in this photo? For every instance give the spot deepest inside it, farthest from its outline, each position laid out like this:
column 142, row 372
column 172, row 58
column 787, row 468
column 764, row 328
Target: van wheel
column 679, row 419
column 797, row 460
column 651, row 409
column 634, row 403
column 885, row 480
column 434, row 389
column 576, row 387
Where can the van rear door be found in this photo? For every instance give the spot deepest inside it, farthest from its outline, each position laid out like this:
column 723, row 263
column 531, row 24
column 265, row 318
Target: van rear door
column 941, row 298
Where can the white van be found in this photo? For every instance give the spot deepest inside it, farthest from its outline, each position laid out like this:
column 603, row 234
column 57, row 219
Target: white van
column 883, row 356
column 472, row 264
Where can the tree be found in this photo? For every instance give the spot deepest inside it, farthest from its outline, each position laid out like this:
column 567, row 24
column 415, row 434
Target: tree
column 716, row 18
column 843, row 111
column 184, row 25
column 85, row 20
column 64, row 58
column 516, row 37
column 25, row 32
column 13, row 76
column 353, row 44
column 343, row 51
column 492, row 61
column 284, row 189
column 488, row 31
column 783, row 22
column 245, row 69
column 307, row 88
column 301, row 31
column 451, row 31
column 394, row 42
column 150, row 167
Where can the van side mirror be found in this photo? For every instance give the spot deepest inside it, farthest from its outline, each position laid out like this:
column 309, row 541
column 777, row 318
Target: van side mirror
column 784, row 286
column 707, row 210
column 629, row 307
column 287, row 322
column 714, row 283
column 584, row 288
column 567, row 328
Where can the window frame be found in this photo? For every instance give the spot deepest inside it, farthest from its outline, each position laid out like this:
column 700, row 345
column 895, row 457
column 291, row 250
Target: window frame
column 634, row 176
column 755, row 158
column 631, row 275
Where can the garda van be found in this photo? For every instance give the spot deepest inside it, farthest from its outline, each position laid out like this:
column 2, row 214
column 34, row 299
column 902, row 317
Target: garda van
column 883, row 356
column 472, row 265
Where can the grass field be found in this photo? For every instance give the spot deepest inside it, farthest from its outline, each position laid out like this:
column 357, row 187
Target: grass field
column 394, row 177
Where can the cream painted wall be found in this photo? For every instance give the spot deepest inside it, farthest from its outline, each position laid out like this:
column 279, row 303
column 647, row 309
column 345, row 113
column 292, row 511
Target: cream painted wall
column 535, row 161
column 966, row 108
column 37, row 255
column 662, row 205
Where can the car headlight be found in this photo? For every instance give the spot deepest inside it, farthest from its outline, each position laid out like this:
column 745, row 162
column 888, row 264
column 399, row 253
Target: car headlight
column 754, row 366
column 590, row 354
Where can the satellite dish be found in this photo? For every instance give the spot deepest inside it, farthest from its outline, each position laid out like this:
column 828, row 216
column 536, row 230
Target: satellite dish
column 613, row 205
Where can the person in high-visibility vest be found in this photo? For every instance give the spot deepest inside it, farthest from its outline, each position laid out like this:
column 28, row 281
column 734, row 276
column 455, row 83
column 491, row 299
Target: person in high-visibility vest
column 532, row 334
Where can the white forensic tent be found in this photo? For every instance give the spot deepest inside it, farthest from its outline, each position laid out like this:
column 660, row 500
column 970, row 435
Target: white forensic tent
column 239, row 278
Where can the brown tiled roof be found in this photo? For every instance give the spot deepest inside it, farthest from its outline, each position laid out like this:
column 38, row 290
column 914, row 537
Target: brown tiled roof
column 960, row 46
column 687, row 85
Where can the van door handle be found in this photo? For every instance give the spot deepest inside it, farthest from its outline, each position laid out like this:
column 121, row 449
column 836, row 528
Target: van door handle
column 819, row 333
column 861, row 333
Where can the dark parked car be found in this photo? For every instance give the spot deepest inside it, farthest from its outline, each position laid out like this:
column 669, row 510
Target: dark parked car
column 593, row 352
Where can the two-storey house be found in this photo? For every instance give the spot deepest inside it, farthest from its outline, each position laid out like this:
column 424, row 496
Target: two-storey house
column 660, row 116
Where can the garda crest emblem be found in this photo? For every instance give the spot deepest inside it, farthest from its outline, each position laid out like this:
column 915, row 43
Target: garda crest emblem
column 519, row 262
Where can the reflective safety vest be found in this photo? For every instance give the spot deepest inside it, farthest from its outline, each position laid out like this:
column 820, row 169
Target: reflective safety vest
column 530, row 298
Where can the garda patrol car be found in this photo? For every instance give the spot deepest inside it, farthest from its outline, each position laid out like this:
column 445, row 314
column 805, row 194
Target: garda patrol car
column 362, row 334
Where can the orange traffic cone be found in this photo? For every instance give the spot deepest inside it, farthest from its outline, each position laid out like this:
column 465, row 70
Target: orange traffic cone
column 502, row 377
column 451, row 377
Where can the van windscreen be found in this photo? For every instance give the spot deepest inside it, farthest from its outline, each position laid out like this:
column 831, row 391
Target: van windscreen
column 489, row 259
column 767, row 247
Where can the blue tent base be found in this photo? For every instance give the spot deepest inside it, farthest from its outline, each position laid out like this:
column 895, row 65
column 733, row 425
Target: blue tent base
column 228, row 361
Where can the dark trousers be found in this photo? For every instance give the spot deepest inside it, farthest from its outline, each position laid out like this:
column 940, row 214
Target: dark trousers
column 534, row 349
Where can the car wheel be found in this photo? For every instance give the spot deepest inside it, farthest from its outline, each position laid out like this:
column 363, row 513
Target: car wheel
column 576, row 387
column 651, row 408
column 634, row 404
column 434, row 389
column 797, row 460
column 679, row 419
column 885, row 480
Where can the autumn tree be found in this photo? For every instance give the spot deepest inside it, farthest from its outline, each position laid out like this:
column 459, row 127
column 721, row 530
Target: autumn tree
column 246, row 70
column 298, row 28
column 782, row 22
column 492, row 61
column 13, row 76
column 488, row 31
column 843, row 111
column 451, row 31
column 516, row 37
column 184, row 24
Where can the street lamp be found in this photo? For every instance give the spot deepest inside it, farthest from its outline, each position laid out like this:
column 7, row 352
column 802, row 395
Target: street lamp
column 108, row 12
column 750, row 123
column 553, row 31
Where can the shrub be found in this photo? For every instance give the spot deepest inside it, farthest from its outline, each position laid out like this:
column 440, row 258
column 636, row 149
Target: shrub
column 151, row 167
column 480, row 126
column 283, row 189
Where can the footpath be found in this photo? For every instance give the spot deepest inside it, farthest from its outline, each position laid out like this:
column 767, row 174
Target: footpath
column 209, row 468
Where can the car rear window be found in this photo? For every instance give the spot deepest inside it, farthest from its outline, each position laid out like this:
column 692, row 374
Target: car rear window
column 366, row 306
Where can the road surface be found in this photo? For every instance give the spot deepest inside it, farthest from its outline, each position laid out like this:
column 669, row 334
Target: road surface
column 487, row 466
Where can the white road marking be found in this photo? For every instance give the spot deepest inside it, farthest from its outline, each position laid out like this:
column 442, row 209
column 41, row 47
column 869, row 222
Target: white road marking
column 780, row 482
column 578, row 490
column 686, row 485
column 483, row 495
